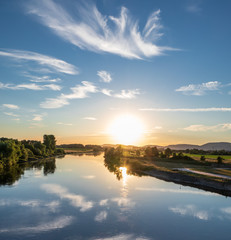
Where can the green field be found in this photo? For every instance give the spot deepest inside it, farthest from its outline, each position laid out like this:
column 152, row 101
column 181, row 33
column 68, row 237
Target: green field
column 170, row 164
column 209, row 157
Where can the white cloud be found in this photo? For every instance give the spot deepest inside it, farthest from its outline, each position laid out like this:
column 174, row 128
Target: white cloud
column 107, row 92
column 213, row 109
column 123, row 202
column 183, row 191
column 54, row 102
column 38, row 117
column 190, row 210
column 10, row 114
column 104, row 76
column 124, row 94
column 34, row 203
column 127, row 94
column 103, row 202
column 79, row 91
column 82, row 91
column 16, row 119
column 43, row 79
column 216, row 128
column 199, row 89
column 90, row 118
column 30, row 86
column 56, row 224
column 226, row 210
column 89, row 177
column 11, row 106
column 75, row 200
column 95, row 32
column 54, row 64
column 124, row 237
column 100, row 217
column 65, row 124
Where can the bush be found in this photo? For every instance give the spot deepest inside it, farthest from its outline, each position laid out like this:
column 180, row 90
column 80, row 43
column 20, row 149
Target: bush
column 219, row 159
column 202, row 158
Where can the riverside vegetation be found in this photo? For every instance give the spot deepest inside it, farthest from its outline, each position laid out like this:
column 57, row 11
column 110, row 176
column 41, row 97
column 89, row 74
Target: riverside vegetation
column 213, row 175
column 13, row 151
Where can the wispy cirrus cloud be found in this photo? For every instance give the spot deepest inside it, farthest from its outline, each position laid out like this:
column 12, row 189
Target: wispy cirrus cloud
column 107, row 92
column 38, row 117
column 190, row 210
column 54, row 102
column 89, row 177
column 124, row 94
column 169, row 190
column 33, row 203
column 199, row 89
column 10, row 106
column 11, row 114
column 104, row 76
column 75, row 200
column 103, row 202
column 42, row 79
column 101, row 216
column 203, row 128
column 82, row 91
column 91, row 30
column 79, row 91
column 127, row 94
column 56, row 224
column 65, row 124
column 213, row 109
column 90, row 118
column 30, row 86
column 124, row 237
column 53, row 64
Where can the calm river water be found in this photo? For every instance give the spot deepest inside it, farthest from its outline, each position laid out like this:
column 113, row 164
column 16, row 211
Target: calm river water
column 76, row 197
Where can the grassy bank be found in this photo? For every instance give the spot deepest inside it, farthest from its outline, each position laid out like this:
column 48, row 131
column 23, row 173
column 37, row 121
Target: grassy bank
column 185, row 170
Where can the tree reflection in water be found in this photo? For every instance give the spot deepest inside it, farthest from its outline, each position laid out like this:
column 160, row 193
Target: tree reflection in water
column 12, row 173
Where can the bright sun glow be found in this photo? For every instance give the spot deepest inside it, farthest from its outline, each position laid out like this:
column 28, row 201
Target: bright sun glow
column 126, row 129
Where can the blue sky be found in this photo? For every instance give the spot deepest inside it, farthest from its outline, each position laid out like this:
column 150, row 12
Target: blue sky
column 70, row 67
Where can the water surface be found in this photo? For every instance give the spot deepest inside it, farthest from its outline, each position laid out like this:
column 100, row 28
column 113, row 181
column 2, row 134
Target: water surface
column 76, row 197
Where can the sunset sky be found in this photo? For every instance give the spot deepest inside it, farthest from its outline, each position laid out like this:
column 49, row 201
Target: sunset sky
column 71, row 68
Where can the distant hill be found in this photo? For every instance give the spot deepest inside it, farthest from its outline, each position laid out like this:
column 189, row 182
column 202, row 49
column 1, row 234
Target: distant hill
column 206, row 147
column 183, row 146
column 216, row 146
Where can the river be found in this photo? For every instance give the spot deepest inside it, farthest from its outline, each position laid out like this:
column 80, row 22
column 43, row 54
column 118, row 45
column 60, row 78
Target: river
column 76, row 197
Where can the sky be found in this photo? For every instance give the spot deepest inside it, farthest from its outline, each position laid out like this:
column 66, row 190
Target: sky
column 71, row 68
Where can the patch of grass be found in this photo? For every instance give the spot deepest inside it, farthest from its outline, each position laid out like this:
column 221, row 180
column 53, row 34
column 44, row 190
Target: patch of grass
column 208, row 157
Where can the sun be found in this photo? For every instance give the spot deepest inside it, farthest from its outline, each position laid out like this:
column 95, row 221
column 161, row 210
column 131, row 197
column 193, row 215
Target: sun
column 126, row 129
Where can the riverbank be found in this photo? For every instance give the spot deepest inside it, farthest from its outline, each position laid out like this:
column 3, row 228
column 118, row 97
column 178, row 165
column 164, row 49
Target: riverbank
column 216, row 186
column 170, row 171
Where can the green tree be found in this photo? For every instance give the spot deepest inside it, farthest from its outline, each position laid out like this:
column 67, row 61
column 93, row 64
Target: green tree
column 138, row 153
column 168, row 152
column 148, row 152
column 50, row 143
column 155, row 152
column 162, row 155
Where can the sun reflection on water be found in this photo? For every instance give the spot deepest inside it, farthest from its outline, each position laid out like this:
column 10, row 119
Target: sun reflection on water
column 124, row 175
column 124, row 189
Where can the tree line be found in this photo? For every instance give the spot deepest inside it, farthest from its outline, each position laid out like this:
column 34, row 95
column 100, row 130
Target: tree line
column 13, row 150
column 79, row 146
